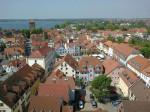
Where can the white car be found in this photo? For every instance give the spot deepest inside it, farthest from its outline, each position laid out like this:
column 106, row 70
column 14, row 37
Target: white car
column 80, row 104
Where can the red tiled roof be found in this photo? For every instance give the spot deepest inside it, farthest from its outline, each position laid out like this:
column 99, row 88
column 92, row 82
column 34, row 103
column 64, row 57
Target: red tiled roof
column 41, row 52
column 139, row 60
column 67, row 108
column 14, row 63
column 39, row 43
column 57, row 46
column 61, row 90
column 110, row 64
column 93, row 61
column 46, row 103
column 61, row 79
column 69, row 60
column 129, row 77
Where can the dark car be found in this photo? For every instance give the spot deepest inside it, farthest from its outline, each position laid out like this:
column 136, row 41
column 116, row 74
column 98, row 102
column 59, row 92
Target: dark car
column 91, row 97
column 113, row 97
column 83, row 86
column 94, row 104
column 113, row 92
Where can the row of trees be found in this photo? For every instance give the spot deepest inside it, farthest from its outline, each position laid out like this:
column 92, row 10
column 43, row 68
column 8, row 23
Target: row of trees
column 64, row 25
column 36, row 31
column 103, row 25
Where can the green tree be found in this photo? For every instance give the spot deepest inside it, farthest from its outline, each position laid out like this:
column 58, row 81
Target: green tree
column 132, row 40
column 45, row 36
column 94, row 30
column 8, row 33
column 120, row 40
column 79, row 27
column 51, row 28
column 3, row 45
column 111, row 38
column 100, row 86
column 57, row 56
column 145, row 51
column 56, row 26
column 88, row 53
column 79, row 81
column 26, row 33
column 0, row 28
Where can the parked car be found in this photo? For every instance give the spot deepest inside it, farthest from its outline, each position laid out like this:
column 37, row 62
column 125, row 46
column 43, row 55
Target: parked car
column 83, row 86
column 113, row 97
column 113, row 92
column 82, row 97
column 91, row 97
column 80, row 104
column 94, row 104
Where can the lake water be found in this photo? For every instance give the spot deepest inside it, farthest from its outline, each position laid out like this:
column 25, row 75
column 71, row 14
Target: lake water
column 24, row 24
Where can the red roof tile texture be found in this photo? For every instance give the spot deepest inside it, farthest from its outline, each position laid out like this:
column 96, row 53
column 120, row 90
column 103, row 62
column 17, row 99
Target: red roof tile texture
column 61, row 79
column 110, row 65
column 46, row 103
column 139, row 60
column 42, row 52
column 61, row 90
column 69, row 60
column 93, row 61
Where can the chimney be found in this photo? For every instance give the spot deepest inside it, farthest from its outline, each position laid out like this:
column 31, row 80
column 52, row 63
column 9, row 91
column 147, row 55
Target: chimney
column 5, row 88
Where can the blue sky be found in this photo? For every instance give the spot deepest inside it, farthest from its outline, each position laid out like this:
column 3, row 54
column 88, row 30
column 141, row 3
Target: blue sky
column 47, row 9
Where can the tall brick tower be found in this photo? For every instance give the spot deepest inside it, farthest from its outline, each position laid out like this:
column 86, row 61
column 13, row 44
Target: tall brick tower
column 31, row 24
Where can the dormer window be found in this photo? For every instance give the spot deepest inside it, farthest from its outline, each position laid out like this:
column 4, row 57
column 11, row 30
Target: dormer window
column 65, row 78
column 84, row 67
column 97, row 67
column 53, row 78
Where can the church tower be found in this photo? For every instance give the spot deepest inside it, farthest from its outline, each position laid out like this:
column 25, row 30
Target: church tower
column 31, row 24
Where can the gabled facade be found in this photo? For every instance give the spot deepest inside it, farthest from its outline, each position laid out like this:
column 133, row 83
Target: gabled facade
column 68, row 65
column 127, row 80
column 113, row 70
column 73, row 49
column 60, row 50
column 45, row 57
column 123, row 52
column 89, row 68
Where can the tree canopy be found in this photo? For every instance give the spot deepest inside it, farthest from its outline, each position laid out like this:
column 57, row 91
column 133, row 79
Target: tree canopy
column 36, row 31
column 100, row 86
column 26, row 33
column 45, row 36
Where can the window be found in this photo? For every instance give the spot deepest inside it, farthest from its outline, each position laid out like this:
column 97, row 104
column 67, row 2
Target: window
column 66, row 68
column 66, row 79
column 61, row 68
column 66, row 72
column 1, row 104
column 53, row 78
column 35, row 61
column 72, row 70
column 2, row 110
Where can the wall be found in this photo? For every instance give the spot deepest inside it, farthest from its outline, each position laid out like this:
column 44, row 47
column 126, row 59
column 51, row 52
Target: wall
column 39, row 61
column 5, row 107
column 61, row 51
column 69, row 70
column 115, row 74
column 123, row 87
